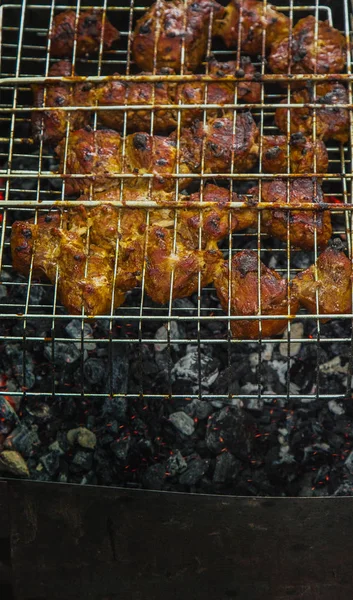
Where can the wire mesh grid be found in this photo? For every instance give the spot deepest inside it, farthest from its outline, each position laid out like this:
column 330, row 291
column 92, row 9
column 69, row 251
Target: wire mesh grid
column 30, row 188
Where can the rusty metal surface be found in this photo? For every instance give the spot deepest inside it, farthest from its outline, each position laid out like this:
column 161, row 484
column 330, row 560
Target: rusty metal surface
column 104, row 544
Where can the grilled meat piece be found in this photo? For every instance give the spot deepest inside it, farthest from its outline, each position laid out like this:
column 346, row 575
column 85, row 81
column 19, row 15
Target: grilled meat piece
column 244, row 288
column 119, row 237
column 218, row 92
column 302, row 223
column 100, row 154
column 221, row 147
column 302, row 54
column 89, row 33
column 332, row 123
column 333, row 284
column 162, row 31
column 249, row 19
column 52, row 124
column 302, row 151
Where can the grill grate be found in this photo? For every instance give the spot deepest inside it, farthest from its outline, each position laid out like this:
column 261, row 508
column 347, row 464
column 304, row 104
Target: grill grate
column 30, row 188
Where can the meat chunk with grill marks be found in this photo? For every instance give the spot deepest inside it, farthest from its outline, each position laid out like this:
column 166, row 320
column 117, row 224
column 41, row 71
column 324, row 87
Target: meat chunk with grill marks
column 166, row 27
column 332, row 122
column 51, row 125
column 242, row 278
column 301, row 224
column 84, row 247
column 302, row 152
column 333, row 283
column 308, row 53
column 100, row 154
column 249, row 19
column 223, row 144
column 90, row 30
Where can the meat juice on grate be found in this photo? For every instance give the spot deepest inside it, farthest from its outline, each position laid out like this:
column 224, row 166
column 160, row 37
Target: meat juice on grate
column 168, row 409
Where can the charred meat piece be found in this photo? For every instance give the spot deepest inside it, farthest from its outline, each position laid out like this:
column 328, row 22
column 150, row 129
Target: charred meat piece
column 52, row 124
column 332, row 122
column 90, row 30
column 301, row 224
column 333, row 284
column 221, row 146
column 162, row 31
column 242, row 276
column 84, row 247
column 100, row 154
column 302, row 151
column 249, row 19
column 305, row 54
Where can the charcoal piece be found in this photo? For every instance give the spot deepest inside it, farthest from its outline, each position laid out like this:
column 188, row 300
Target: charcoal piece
column 349, row 462
column 200, row 409
column 183, row 306
column 176, row 463
column 317, row 454
column 82, row 461
column 322, row 476
column 51, row 462
column 196, row 468
column 63, row 353
column 74, row 329
column 94, row 370
column 24, row 440
column 22, row 365
column 227, row 381
column 227, row 468
column 345, row 489
column 12, row 462
column 281, row 468
column 115, row 408
column 120, row 449
column 83, row 437
column 118, row 368
column 162, row 334
column 194, row 365
column 337, row 408
column 232, row 429
column 182, row 422
column 154, row 477
column 8, row 417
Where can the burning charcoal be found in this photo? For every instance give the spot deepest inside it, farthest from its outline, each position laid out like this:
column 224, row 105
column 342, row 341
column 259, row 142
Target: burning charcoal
column 227, row 468
column 184, row 306
column 24, row 440
column 317, row 454
column 349, row 462
column 82, row 461
column 322, row 476
column 200, row 409
column 176, row 463
column 281, row 467
column 345, row 489
column 83, row 437
column 12, row 462
column 336, row 407
column 185, row 373
column 196, row 468
column 120, row 449
column 115, row 408
column 64, row 353
column 8, row 417
column 74, row 329
column 296, row 332
column 94, row 370
column 162, row 335
column 119, row 368
column 182, row 422
column 155, row 476
column 230, row 428
column 51, row 462
column 21, row 364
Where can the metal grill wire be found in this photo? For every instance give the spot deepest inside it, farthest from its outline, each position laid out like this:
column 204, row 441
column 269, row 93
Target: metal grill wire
column 25, row 58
